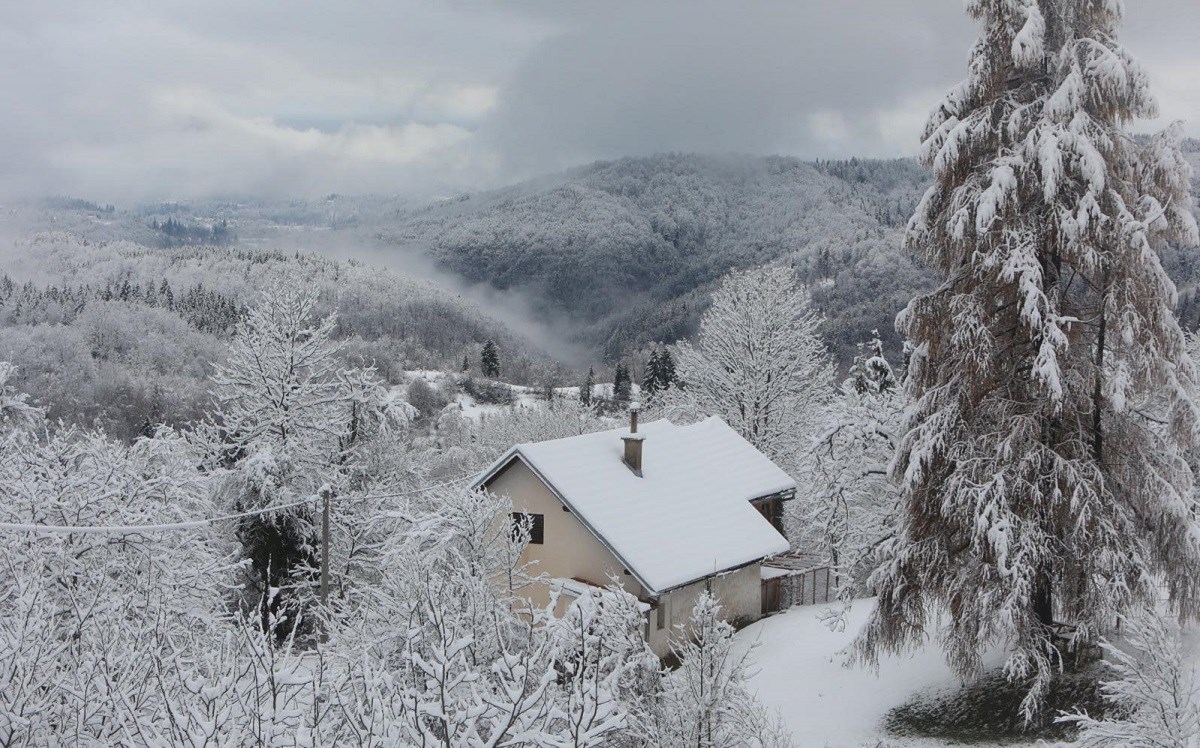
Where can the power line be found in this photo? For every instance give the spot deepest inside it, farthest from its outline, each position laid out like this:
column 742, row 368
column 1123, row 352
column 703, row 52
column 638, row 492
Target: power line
column 198, row 523
column 133, row 529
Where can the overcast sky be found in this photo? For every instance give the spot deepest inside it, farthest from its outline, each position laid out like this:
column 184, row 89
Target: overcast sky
column 118, row 100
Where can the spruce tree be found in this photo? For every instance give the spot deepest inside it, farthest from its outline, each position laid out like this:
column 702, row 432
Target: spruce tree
column 621, row 383
column 871, row 372
column 489, row 360
column 652, row 375
column 1043, row 472
column 666, row 369
column 585, row 391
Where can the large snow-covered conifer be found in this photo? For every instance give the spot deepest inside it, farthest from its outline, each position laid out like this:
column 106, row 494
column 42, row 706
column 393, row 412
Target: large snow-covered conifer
column 1044, row 472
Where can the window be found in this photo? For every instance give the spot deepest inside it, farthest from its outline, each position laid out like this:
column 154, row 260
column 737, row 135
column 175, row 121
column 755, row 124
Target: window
column 662, row 615
column 537, row 526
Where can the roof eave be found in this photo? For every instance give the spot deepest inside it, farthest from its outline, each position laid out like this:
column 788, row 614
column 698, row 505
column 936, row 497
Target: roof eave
column 491, row 471
column 718, row 573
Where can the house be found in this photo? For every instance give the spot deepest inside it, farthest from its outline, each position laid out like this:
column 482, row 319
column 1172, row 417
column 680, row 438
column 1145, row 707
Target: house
column 669, row 511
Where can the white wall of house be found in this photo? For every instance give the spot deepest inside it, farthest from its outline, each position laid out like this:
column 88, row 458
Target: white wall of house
column 570, row 551
column 738, row 591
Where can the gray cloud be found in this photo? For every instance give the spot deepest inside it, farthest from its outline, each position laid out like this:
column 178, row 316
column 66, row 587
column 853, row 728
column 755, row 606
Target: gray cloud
column 135, row 99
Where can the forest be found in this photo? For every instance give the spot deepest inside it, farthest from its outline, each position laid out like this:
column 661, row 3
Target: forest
column 629, row 250
column 123, row 336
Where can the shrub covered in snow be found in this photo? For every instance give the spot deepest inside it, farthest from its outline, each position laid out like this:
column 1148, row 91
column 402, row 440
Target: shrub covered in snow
column 1154, row 692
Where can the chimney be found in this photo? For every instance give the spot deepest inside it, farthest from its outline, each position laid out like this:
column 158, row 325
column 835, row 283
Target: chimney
column 633, row 442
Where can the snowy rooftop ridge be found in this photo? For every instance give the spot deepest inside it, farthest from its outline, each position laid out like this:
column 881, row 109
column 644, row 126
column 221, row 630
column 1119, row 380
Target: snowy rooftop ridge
column 687, row 517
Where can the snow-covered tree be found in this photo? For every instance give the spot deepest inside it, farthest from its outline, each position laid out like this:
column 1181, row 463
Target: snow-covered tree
column 489, row 360
column 292, row 418
column 606, row 675
column 846, row 505
column 1043, row 471
column 585, row 390
column 436, row 650
column 1154, row 698
column 15, row 409
column 279, row 388
column 758, row 361
column 622, row 383
column 705, row 702
column 871, row 371
column 87, row 618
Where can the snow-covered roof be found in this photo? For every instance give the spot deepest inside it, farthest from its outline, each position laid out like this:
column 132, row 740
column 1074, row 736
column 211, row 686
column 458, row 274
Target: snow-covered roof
column 689, row 514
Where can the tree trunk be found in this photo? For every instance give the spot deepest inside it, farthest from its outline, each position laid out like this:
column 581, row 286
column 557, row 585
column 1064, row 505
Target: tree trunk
column 1043, row 599
column 1098, row 388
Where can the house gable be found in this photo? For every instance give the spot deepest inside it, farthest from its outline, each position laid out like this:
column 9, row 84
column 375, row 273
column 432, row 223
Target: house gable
column 570, row 549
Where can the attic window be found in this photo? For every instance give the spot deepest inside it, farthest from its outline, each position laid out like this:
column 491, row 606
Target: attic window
column 537, row 526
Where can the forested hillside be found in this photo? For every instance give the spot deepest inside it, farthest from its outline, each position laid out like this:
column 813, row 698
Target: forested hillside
column 629, row 250
column 123, row 335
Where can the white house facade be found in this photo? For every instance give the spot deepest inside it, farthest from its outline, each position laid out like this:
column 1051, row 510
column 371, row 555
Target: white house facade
column 667, row 511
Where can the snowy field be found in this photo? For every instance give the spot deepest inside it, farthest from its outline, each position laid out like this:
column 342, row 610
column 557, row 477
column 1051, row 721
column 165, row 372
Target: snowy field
column 798, row 670
column 523, row 396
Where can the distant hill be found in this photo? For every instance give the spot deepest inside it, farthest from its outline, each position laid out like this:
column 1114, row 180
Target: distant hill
column 628, row 250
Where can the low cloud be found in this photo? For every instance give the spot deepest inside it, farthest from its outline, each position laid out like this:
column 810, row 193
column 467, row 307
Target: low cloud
column 141, row 99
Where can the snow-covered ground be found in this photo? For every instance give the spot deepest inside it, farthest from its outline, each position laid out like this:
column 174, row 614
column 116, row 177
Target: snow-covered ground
column 799, row 670
column 523, row 396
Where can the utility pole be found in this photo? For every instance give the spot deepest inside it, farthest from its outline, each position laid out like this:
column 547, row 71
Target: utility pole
column 326, row 496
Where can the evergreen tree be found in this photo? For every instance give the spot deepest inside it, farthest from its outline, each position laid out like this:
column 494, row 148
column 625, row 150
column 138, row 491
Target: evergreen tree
column 871, row 372
column 666, row 369
column 660, row 372
column 622, row 385
column 651, row 375
column 1044, row 473
column 166, row 296
column 489, row 360
column 585, row 392
column 466, row 364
